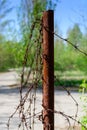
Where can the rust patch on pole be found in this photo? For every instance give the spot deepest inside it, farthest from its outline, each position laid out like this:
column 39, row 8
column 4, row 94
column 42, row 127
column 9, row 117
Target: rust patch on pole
column 48, row 70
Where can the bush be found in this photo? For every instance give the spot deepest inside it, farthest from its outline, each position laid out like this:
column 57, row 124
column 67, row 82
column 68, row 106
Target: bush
column 83, row 89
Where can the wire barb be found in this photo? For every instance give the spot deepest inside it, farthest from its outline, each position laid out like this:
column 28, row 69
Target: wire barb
column 27, row 105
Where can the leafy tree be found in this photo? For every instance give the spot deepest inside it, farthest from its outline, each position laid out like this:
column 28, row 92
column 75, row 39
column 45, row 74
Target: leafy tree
column 31, row 10
column 78, row 39
column 75, row 35
column 83, row 44
column 5, row 9
column 59, row 51
column 66, row 57
column 7, row 57
column 82, row 59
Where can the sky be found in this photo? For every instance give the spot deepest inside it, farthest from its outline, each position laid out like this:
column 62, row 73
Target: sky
column 67, row 13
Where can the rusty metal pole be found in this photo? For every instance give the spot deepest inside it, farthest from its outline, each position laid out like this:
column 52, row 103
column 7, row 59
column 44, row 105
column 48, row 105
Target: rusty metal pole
column 48, row 70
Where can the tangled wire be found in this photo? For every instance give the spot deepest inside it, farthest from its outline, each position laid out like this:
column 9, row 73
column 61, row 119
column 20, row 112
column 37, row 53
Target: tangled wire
column 31, row 79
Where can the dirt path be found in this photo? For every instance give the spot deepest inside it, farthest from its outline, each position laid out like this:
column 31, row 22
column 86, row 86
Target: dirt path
column 9, row 99
column 9, row 78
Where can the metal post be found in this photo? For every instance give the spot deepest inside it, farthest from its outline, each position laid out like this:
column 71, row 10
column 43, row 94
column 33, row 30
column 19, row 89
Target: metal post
column 48, row 70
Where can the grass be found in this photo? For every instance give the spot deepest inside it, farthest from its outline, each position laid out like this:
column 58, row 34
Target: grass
column 69, row 78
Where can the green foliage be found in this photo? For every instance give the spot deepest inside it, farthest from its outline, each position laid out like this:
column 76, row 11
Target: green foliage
column 67, row 57
column 75, row 35
column 11, row 55
column 71, row 83
column 30, row 11
column 81, row 62
column 84, row 121
column 83, row 89
column 69, row 78
column 84, row 86
column 58, row 53
column 6, row 58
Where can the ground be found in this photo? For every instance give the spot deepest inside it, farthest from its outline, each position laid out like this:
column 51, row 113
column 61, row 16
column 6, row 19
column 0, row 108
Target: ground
column 9, row 99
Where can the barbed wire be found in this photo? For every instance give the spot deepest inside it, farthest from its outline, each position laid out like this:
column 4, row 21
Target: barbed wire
column 66, row 116
column 28, row 115
column 27, row 112
column 68, row 92
column 66, row 40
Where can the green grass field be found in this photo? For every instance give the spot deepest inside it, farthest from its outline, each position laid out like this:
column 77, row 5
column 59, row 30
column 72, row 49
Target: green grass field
column 69, row 78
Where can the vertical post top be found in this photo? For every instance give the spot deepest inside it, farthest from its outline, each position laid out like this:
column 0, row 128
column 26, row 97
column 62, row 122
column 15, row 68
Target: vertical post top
column 48, row 11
